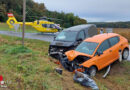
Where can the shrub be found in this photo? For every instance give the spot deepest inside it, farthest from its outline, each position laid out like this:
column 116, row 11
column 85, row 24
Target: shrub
column 17, row 49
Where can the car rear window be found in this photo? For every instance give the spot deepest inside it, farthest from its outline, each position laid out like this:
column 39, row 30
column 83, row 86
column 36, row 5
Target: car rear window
column 81, row 35
column 114, row 40
column 104, row 46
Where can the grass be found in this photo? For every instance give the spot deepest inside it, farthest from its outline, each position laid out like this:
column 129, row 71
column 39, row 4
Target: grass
column 28, row 29
column 31, row 68
column 118, row 79
column 26, row 67
column 17, row 49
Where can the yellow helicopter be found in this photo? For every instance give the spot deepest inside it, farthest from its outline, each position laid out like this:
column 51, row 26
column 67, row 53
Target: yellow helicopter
column 42, row 25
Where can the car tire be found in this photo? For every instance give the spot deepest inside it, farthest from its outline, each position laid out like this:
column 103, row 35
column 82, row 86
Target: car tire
column 92, row 71
column 125, row 54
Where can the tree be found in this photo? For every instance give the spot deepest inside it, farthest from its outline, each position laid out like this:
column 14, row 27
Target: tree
column 35, row 10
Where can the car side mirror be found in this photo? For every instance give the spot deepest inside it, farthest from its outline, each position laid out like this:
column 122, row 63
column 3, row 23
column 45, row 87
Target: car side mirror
column 99, row 53
column 54, row 37
column 80, row 39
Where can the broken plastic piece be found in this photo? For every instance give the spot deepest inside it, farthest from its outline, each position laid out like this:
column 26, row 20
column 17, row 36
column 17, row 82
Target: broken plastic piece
column 84, row 80
column 120, row 55
column 58, row 70
column 57, row 62
column 108, row 70
column 65, row 63
column 1, row 78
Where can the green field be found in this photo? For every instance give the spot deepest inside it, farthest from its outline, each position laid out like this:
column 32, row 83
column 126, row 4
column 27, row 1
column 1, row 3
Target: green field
column 31, row 68
column 28, row 29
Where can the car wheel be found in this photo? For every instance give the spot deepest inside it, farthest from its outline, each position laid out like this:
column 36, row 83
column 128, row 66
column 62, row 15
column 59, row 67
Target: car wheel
column 92, row 71
column 125, row 54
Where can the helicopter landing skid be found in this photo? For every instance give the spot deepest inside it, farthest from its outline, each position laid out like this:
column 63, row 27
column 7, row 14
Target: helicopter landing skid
column 48, row 34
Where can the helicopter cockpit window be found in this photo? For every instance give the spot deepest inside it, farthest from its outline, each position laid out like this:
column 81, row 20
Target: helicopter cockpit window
column 44, row 25
column 38, row 22
column 52, row 26
column 48, row 25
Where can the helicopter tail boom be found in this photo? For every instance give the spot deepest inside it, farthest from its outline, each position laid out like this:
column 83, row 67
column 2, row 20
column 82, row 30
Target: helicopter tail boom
column 11, row 20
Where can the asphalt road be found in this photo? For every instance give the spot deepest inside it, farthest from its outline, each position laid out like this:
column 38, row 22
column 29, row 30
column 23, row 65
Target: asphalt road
column 45, row 37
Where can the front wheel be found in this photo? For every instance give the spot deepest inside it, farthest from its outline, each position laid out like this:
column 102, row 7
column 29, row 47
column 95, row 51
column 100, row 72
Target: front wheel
column 125, row 54
column 92, row 71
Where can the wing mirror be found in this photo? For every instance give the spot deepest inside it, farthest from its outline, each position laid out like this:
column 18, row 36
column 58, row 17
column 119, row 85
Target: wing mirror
column 99, row 53
column 54, row 37
column 80, row 39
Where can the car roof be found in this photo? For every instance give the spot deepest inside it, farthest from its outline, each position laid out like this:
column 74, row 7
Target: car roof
column 79, row 27
column 101, row 37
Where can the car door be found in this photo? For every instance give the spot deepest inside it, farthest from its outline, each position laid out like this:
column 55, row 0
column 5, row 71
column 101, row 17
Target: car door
column 114, row 42
column 81, row 36
column 103, row 60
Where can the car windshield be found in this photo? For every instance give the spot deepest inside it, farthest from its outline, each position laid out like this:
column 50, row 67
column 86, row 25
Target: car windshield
column 87, row 47
column 66, row 36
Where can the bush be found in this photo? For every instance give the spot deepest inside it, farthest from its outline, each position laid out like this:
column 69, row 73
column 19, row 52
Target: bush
column 17, row 49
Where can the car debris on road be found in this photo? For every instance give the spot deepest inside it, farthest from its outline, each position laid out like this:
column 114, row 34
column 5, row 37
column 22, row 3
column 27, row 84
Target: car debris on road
column 85, row 80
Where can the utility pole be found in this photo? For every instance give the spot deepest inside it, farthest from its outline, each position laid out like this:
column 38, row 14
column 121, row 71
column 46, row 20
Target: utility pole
column 24, row 19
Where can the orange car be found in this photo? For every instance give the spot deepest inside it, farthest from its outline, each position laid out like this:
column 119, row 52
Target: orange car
column 96, row 53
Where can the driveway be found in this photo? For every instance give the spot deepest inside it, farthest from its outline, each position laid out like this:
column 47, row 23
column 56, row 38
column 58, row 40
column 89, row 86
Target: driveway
column 45, row 37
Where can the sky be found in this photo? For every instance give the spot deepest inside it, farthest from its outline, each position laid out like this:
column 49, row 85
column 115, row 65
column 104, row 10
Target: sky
column 92, row 10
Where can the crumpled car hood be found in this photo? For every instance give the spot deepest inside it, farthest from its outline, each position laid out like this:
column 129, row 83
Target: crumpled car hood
column 72, row 54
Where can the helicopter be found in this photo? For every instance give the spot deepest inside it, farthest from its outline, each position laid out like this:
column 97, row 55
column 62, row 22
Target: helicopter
column 42, row 25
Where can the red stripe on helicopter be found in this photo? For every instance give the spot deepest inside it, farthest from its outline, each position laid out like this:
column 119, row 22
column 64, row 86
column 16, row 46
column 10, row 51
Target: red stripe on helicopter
column 10, row 15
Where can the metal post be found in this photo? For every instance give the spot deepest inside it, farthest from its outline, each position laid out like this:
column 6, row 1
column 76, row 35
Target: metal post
column 24, row 19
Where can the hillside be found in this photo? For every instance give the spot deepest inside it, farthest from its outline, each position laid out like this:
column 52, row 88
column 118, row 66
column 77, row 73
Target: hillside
column 35, row 10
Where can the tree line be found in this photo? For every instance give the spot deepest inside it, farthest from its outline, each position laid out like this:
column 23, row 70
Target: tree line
column 35, row 10
column 113, row 24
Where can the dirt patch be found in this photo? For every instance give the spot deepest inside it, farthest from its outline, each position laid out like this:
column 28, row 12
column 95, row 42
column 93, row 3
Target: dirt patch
column 69, row 84
column 67, row 79
column 3, row 40
column 117, row 68
column 111, row 81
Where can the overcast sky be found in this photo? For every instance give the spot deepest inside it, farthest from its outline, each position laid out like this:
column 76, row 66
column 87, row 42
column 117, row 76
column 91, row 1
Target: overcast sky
column 92, row 10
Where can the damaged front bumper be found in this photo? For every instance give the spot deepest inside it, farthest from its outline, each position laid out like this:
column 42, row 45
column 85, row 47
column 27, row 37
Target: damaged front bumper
column 54, row 51
column 72, row 66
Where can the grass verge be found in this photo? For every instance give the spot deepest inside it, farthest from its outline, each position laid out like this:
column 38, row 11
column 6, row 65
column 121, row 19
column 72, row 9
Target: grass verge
column 30, row 67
